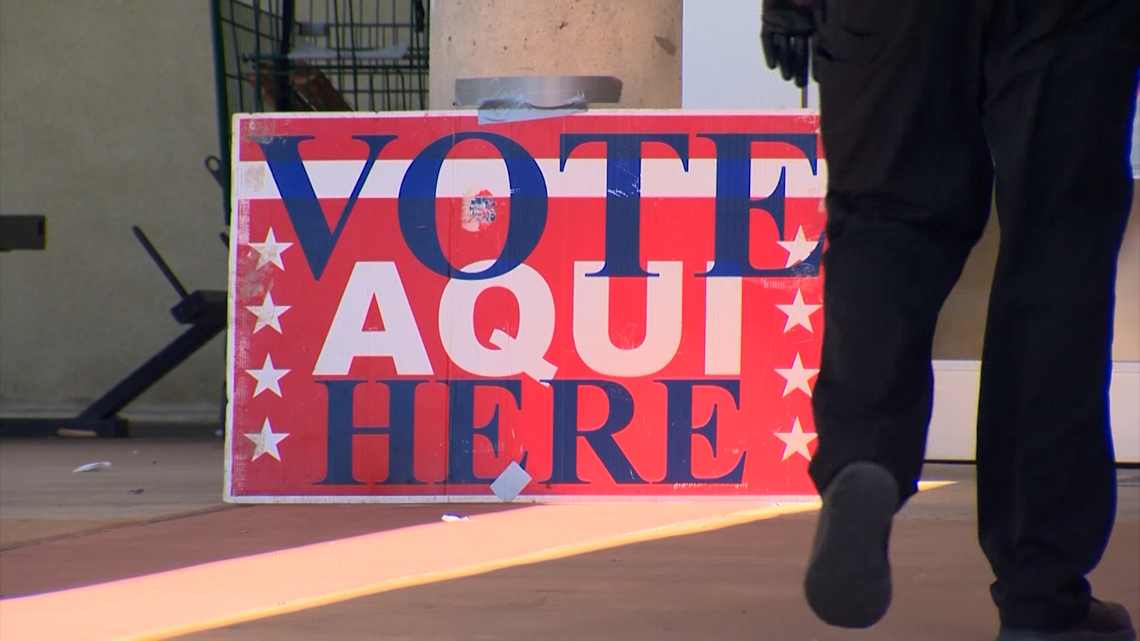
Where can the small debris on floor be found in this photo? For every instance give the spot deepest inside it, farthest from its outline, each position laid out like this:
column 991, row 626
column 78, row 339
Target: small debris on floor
column 92, row 467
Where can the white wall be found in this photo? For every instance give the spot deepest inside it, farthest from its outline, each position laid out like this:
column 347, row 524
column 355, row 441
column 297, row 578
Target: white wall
column 722, row 65
column 952, row 437
column 106, row 112
column 1136, row 145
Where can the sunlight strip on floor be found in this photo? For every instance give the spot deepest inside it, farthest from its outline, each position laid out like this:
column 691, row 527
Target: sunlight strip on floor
column 228, row 592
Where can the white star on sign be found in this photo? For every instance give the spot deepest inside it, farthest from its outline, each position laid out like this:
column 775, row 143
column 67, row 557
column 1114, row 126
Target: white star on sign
column 270, row 251
column 796, row 441
column 798, row 313
column 267, row 314
column 797, row 377
column 267, row 377
column 799, row 248
column 266, row 441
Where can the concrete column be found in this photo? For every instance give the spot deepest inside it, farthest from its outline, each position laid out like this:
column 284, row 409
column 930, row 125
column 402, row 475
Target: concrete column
column 639, row 41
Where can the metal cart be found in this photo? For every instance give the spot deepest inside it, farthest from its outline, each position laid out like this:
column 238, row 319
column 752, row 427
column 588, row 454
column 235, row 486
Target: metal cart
column 269, row 55
column 316, row 55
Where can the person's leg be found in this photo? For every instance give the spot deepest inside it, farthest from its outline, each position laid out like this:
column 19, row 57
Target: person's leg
column 1061, row 82
column 909, row 192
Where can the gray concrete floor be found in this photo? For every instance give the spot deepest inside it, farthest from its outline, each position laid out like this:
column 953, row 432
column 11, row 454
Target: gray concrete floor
column 741, row 583
column 149, row 478
column 61, row 529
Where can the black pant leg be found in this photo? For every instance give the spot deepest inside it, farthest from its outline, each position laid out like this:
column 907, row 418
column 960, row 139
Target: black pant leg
column 909, row 192
column 1062, row 80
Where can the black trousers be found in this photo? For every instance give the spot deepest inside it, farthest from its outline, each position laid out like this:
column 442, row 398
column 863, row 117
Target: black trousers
column 927, row 106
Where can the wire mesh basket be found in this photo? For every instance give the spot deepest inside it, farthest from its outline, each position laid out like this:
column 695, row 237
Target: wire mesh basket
column 317, row 55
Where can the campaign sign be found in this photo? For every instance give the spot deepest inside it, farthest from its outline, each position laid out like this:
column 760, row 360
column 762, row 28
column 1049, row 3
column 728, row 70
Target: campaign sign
column 611, row 304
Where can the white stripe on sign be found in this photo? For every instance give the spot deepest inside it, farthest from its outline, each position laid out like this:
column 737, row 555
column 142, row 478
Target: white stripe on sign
column 585, row 178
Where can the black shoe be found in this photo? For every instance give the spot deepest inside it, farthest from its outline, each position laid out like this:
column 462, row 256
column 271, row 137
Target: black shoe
column 848, row 581
column 1104, row 622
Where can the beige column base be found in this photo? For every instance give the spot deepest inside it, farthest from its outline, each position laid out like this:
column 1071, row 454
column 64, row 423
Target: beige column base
column 639, row 41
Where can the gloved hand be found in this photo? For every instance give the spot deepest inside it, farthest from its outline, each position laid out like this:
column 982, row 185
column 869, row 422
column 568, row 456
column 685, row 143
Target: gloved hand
column 786, row 33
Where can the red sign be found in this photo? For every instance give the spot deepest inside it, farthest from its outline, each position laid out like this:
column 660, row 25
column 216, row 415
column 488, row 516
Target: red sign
column 608, row 304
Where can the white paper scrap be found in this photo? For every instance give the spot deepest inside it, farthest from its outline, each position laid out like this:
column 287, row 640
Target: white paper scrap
column 92, row 467
column 510, row 482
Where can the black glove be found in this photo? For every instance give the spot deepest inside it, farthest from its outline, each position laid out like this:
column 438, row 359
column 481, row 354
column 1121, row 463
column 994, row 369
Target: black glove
column 787, row 34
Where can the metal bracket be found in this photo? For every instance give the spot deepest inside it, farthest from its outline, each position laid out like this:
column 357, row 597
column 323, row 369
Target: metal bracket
column 203, row 310
column 22, row 231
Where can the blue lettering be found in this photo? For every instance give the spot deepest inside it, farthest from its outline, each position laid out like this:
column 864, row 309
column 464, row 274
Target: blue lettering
column 284, row 159
column 462, row 430
column 400, row 431
column 416, row 206
column 680, row 431
column 623, row 193
column 601, row 440
column 734, row 202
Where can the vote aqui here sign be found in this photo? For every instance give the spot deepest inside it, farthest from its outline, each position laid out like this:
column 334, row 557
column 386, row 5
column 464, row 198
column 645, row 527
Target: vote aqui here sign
column 621, row 304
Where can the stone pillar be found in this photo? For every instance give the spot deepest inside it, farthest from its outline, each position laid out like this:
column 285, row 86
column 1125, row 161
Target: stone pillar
column 638, row 41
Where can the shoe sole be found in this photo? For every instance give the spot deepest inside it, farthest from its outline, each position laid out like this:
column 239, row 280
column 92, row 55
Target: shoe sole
column 848, row 581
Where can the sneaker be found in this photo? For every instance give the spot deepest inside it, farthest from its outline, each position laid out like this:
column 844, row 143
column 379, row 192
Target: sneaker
column 1104, row 622
column 848, row 582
